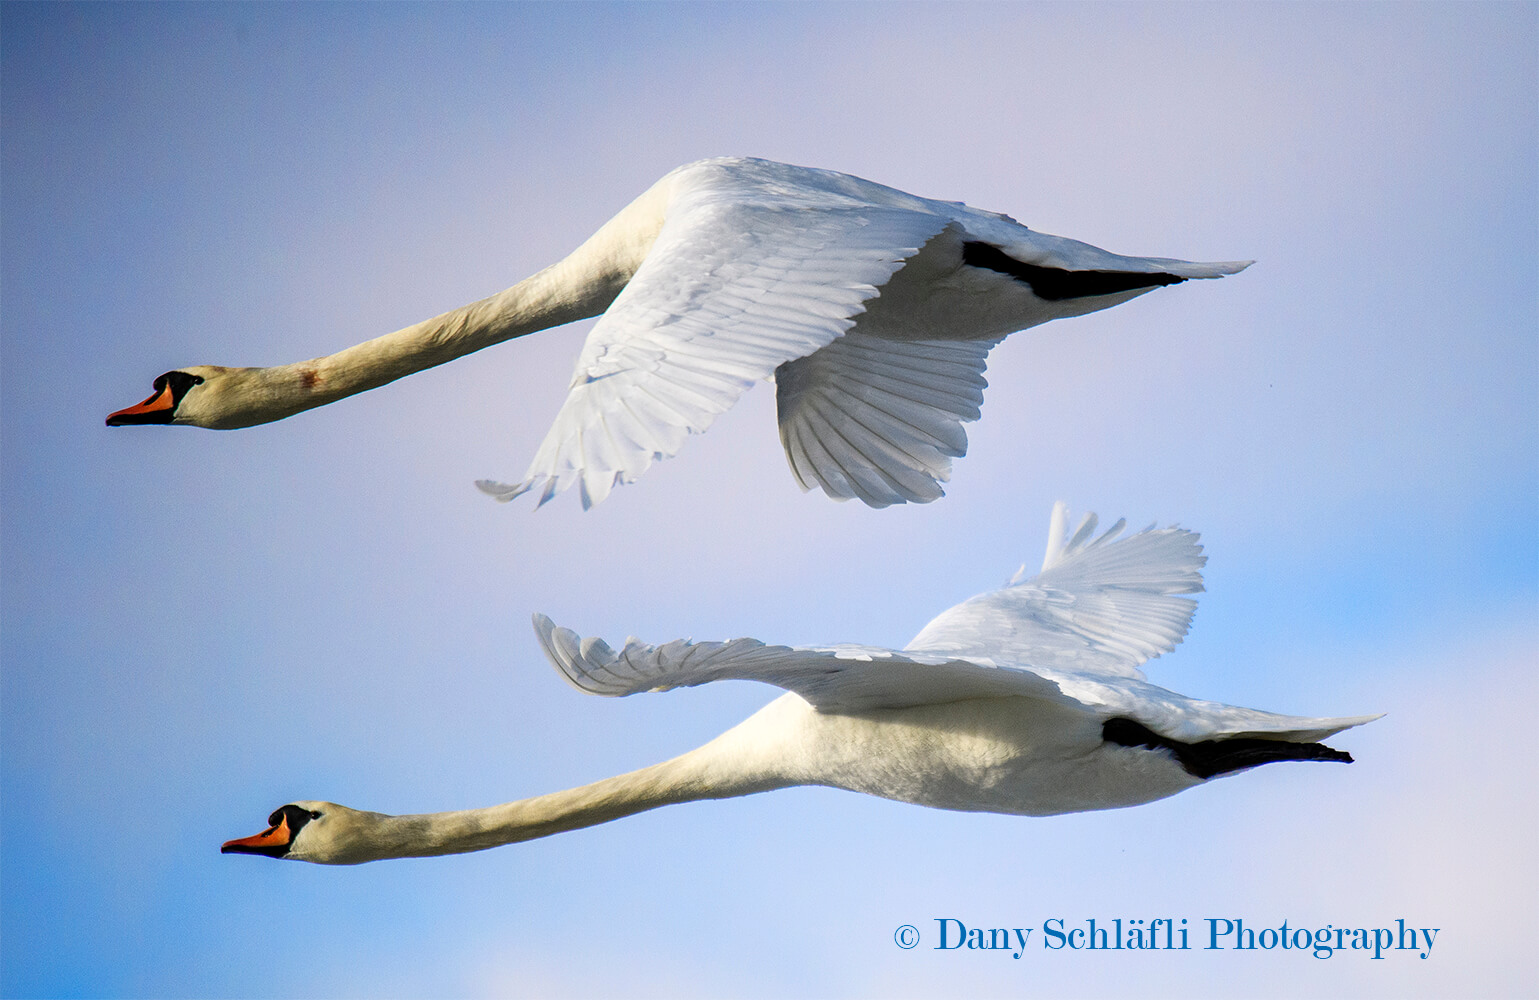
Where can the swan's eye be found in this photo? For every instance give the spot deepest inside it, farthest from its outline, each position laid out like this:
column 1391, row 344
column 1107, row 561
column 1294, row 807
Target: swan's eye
column 180, row 382
column 314, row 814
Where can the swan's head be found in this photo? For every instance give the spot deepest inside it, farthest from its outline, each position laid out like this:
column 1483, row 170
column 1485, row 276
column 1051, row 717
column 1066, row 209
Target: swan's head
column 320, row 832
column 202, row 396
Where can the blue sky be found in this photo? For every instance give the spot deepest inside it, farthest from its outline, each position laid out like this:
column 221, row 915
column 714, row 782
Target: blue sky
column 200, row 626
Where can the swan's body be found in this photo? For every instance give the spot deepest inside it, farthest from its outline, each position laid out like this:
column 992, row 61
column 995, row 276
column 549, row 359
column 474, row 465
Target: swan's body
column 873, row 309
column 1026, row 700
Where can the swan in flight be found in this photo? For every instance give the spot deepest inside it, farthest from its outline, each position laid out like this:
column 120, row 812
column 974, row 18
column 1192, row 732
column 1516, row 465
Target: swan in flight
column 874, row 311
column 1025, row 700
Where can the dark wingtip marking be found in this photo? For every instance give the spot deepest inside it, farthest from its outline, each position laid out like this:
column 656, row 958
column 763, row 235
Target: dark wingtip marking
column 1056, row 284
column 1211, row 757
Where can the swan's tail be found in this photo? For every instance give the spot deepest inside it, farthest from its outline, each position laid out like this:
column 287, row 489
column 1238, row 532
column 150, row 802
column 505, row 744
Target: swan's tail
column 1212, row 758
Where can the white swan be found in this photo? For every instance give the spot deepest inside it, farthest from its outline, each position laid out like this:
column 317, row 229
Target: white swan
column 874, row 310
column 1024, row 700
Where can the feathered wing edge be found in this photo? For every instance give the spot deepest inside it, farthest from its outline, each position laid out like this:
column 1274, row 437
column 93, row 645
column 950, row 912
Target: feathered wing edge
column 845, row 678
column 880, row 420
column 853, row 678
column 1169, row 560
column 1103, row 604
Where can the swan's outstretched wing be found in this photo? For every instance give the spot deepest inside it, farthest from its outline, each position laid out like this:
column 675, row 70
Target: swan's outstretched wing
column 861, row 678
column 834, row 679
column 1101, row 605
column 748, row 272
column 877, row 419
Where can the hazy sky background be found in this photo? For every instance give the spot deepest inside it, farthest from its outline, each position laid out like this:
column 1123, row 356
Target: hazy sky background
column 201, row 626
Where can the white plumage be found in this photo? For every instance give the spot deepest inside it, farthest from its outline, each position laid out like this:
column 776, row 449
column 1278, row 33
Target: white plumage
column 1025, row 700
column 873, row 309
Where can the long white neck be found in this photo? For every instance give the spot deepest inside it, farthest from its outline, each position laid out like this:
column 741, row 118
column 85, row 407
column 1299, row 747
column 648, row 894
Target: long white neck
column 742, row 761
column 575, row 808
column 580, row 286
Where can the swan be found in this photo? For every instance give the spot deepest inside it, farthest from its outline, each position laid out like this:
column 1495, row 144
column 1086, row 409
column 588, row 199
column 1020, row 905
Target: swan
column 874, row 311
column 1025, row 700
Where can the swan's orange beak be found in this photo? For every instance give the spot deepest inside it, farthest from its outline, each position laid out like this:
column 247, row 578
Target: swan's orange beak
column 152, row 410
column 270, row 841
